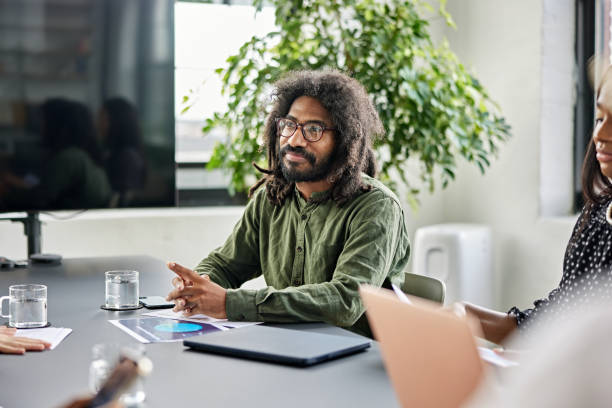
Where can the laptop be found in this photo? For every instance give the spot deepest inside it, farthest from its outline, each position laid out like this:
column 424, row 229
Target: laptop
column 429, row 353
column 278, row 345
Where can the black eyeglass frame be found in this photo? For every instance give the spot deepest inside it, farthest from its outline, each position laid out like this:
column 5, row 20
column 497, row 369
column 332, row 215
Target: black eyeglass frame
column 301, row 125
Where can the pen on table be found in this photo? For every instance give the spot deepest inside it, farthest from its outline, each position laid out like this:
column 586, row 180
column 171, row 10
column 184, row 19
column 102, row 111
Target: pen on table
column 508, row 352
column 400, row 294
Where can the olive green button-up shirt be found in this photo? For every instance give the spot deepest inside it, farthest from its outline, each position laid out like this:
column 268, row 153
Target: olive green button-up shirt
column 313, row 256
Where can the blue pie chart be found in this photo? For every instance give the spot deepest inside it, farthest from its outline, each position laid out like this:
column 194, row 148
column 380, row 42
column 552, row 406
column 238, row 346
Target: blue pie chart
column 178, row 327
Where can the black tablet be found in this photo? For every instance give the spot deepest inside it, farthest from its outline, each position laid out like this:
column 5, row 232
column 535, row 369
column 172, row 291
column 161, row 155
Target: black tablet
column 278, row 345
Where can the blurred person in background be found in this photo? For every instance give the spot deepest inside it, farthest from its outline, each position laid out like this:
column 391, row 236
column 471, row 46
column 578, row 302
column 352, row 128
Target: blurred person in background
column 124, row 160
column 71, row 175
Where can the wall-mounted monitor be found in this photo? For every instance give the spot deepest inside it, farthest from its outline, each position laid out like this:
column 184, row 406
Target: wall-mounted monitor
column 86, row 104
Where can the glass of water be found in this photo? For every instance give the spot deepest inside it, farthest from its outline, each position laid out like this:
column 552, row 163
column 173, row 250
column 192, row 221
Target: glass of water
column 104, row 359
column 121, row 289
column 27, row 306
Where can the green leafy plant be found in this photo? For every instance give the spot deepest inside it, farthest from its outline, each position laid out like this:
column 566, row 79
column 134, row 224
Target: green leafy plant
column 433, row 109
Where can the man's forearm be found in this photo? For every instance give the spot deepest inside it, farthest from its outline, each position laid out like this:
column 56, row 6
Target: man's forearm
column 313, row 302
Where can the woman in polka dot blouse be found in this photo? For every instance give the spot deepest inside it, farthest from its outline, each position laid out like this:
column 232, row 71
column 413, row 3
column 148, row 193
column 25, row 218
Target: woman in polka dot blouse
column 587, row 267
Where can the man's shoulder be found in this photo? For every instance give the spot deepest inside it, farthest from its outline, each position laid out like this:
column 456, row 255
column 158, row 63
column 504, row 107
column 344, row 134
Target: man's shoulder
column 260, row 202
column 258, row 198
column 378, row 190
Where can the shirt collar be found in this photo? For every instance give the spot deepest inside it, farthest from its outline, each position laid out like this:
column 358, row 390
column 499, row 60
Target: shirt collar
column 317, row 196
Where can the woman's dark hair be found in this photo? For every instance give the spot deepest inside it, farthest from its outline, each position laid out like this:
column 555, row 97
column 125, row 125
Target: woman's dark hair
column 123, row 124
column 354, row 117
column 69, row 123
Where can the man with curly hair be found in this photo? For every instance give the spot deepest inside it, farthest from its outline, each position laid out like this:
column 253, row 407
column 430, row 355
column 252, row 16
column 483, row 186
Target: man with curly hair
column 322, row 225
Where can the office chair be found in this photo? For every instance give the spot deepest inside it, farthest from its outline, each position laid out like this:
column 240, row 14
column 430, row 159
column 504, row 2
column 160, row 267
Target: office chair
column 425, row 287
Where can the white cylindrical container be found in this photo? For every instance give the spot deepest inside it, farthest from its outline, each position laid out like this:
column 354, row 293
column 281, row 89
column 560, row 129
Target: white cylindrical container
column 460, row 256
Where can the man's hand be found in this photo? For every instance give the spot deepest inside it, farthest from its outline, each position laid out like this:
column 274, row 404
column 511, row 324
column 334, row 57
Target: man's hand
column 195, row 294
column 11, row 344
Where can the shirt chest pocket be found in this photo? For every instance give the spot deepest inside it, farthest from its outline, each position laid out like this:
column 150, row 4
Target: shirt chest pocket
column 320, row 262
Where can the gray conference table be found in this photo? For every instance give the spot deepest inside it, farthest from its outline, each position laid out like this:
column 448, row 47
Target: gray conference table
column 180, row 377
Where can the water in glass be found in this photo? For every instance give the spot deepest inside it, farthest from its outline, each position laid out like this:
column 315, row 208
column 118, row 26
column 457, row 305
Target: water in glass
column 27, row 313
column 122, row 290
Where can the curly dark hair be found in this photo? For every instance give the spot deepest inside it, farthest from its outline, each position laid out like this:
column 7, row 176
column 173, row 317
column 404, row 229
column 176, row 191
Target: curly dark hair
column 354, row 117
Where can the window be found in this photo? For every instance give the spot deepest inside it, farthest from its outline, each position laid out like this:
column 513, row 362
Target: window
column 584, row 110
column 205, row 36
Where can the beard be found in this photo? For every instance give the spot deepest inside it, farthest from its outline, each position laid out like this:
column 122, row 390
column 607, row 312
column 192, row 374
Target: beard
column 319, row 168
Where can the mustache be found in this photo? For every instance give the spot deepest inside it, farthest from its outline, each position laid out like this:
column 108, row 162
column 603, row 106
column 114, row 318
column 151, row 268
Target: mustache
column 298, row 150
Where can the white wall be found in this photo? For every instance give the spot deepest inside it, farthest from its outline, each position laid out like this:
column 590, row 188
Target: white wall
column 181, row 235
column 502, row 42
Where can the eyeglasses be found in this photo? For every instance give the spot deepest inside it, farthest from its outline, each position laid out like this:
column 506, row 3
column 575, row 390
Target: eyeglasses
column 312, row 131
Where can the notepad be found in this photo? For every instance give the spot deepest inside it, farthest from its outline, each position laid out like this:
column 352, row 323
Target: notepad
column 53, row 335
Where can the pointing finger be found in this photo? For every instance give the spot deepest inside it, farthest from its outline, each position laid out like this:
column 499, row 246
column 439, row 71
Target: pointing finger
column 185, row 273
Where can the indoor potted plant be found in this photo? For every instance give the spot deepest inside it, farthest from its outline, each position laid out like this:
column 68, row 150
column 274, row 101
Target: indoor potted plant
column 434, row 111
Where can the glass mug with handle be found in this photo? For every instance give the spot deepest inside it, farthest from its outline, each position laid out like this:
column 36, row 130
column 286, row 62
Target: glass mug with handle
column 27, row 306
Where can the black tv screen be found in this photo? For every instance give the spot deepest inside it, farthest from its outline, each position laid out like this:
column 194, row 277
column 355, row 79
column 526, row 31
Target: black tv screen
column 86, row 104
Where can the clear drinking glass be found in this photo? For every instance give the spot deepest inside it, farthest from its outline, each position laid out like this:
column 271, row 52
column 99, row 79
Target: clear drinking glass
column 104, row 359
column 27, row 306
column 121, row 289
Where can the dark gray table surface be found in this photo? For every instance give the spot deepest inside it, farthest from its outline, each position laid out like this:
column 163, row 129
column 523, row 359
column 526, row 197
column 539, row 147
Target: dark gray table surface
column 180, row 376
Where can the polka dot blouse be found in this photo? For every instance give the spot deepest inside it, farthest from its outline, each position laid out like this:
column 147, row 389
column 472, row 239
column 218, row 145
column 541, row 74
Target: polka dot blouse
column 587, row 271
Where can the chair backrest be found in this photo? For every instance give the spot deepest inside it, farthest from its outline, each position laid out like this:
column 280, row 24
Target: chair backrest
column 425, row 287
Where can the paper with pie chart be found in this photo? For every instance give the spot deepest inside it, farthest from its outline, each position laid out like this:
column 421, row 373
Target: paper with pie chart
column 199, row 318
column 159, row 329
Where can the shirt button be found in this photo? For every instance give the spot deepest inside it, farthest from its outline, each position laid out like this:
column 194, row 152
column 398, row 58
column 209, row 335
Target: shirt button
column 304, row 216
column 299, row 249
